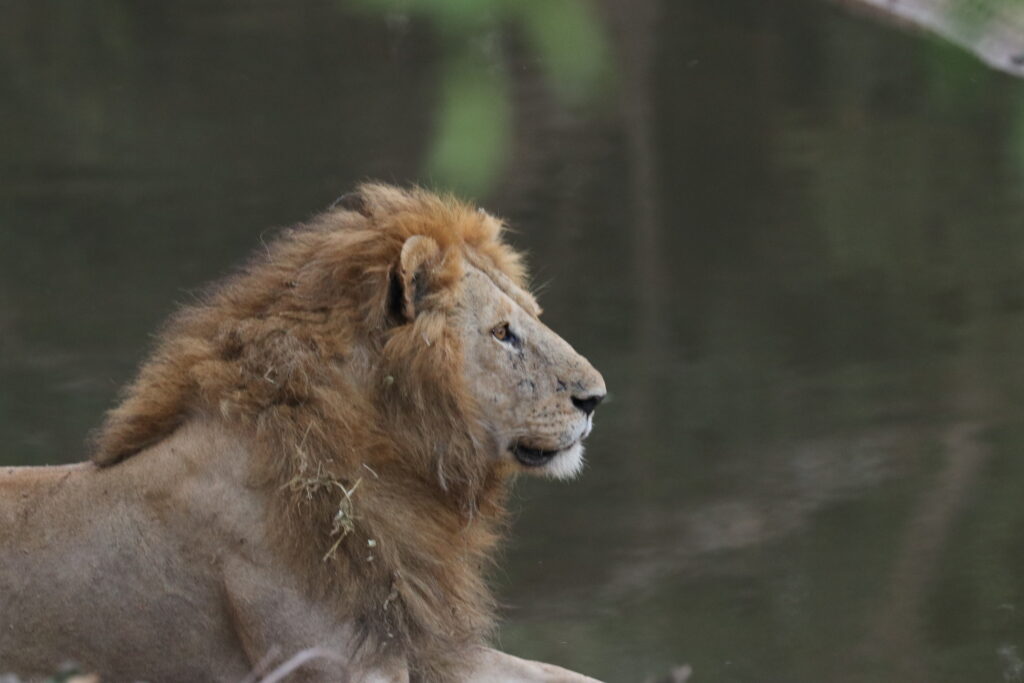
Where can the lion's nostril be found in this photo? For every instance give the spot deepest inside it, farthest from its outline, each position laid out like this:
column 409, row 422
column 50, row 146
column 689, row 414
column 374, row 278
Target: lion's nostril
column 588, row 403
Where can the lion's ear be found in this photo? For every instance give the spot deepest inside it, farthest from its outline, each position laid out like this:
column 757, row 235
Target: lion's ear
column 411, row 279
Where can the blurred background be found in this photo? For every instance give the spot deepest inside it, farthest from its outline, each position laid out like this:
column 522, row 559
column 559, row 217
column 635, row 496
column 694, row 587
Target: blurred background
column 789, row 235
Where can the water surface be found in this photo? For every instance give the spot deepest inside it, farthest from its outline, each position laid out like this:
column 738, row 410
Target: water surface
column 790, row 238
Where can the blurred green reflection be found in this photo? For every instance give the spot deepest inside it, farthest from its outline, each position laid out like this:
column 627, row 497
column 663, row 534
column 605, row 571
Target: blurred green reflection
column 473, row 119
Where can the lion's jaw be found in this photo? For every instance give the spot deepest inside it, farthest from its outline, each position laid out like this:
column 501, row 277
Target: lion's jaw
column 535, row 392
column 565, row 463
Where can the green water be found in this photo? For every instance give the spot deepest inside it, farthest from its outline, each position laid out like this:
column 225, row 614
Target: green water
column 790, row 238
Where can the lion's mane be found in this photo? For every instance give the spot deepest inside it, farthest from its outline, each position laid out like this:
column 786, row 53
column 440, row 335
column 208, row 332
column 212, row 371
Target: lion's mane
column 386, row 500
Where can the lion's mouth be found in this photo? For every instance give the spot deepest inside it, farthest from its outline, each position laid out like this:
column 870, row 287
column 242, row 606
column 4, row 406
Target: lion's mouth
column 533, row 457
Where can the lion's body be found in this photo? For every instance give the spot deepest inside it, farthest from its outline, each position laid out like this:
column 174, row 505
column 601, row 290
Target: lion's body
column 80, row 525
column 140, row 580
column 306, row 460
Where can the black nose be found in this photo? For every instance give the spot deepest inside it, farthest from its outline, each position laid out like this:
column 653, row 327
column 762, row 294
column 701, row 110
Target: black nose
column 587, row 403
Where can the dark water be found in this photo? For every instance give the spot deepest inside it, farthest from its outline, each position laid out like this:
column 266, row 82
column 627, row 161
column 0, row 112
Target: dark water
column 790, row 238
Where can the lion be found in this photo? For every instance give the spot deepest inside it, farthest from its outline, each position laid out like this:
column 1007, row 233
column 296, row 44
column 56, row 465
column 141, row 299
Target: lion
column 316, row 454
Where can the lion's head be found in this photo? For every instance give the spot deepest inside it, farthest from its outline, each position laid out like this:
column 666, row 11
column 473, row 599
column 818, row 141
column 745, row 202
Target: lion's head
column 390, row 344
column 401, row 284
column 537, row 394
column 533, row 393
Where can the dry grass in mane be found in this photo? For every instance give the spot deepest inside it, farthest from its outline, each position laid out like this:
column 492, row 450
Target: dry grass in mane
column 357, row 419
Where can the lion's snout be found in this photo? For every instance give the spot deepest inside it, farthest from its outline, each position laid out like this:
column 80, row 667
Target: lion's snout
column 588, row 403
column 589, row 390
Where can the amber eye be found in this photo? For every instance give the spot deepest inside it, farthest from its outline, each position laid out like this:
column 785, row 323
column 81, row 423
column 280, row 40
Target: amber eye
column 502, row 333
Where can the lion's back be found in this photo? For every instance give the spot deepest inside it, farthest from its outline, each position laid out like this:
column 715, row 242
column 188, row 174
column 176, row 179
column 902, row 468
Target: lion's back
column 92, row 571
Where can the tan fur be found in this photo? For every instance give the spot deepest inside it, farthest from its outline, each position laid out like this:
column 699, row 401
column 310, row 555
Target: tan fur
column 335, row 364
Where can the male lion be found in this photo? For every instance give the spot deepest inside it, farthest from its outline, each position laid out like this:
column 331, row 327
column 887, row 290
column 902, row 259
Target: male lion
column 317, row 454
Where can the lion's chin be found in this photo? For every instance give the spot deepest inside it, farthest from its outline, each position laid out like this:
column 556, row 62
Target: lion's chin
column 561, row 464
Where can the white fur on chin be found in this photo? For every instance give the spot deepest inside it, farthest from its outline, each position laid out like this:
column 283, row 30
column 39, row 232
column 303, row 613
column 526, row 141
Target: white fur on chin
column 565, row 465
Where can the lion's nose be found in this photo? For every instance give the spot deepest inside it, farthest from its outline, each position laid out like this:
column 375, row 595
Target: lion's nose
column 587, row 403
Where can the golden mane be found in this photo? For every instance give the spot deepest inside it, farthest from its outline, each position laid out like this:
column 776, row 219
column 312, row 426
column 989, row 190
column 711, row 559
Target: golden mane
column 355, row 417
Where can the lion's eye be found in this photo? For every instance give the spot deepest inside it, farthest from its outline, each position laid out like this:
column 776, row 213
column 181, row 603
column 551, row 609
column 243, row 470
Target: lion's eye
column 502, row 333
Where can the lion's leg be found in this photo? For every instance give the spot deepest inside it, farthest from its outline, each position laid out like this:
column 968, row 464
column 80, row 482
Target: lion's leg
column 492, row 666
column 274, row 622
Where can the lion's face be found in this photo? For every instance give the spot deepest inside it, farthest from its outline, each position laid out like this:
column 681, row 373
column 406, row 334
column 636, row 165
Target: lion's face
column 536, row 393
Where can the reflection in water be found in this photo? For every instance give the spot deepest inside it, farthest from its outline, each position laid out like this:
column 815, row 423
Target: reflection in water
column 789, row 238
column 472, row 126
